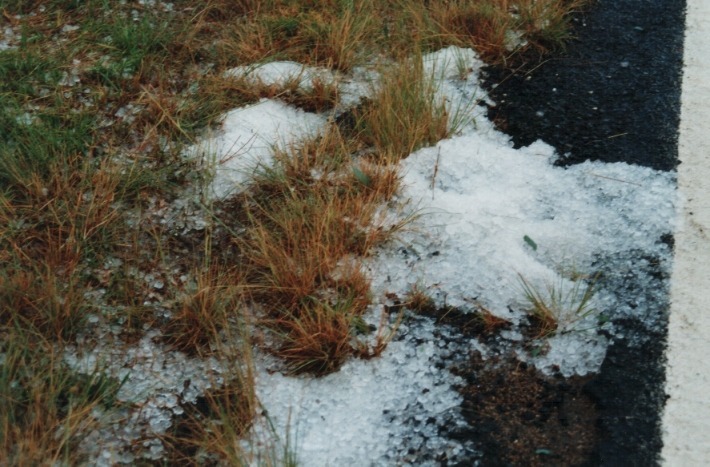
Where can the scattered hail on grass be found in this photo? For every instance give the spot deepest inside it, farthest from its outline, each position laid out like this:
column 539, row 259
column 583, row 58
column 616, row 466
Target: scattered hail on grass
column 480, row 205
column 120, row 296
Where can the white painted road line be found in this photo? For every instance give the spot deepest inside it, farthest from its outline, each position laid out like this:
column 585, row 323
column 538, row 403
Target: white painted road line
column 686, row 420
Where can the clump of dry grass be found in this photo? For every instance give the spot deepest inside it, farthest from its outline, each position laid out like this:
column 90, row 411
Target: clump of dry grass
column 328, row 33
column 558, row 305
column 404, row 112
column 51, row 223
column 336, row 34
column 497, row 30
column 309, row 220
column 211, row 307
column 46, row 408
column 419, row 300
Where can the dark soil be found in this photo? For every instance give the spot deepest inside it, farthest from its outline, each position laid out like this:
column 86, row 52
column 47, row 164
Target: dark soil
column 614, row 96
column 520, row 417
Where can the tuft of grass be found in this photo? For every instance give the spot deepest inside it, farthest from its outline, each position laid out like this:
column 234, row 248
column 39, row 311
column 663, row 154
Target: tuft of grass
column 45, row 408
column 557, row 307
column 405, row 112
column 418, row 300
column 42, row 302
column 318, row 339
column 204, row 313
column 329, row 33
column 309, row 219
column 52, row 224
column 498, row 30
column 338, row 43
column 546, row 24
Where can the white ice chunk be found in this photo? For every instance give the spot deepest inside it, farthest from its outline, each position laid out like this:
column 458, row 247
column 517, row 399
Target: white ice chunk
column 363, row 413
column 479, row 198
column 451, row 62
column 247, row 139
column 281, row 73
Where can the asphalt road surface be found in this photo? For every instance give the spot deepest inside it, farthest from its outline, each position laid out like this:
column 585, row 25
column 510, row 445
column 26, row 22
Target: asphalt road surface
column 615, row 95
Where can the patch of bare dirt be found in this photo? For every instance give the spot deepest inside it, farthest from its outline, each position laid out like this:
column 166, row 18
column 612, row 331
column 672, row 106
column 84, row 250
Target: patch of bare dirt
column 521, row 417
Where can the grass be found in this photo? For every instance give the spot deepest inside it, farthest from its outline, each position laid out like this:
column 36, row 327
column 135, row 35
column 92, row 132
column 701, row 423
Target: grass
column 46, row 407
column 205, row 310
column 98, row 100
column 404, row 113
column 213, row 428
column 310, row 93
column 304, row 240
column 501, row 32
column 558, row 307
column 479, row 322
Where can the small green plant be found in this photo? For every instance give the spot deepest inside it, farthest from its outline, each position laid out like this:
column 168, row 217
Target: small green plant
column 559, row 306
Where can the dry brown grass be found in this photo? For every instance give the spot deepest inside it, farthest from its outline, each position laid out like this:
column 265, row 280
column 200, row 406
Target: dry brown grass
column 317, row 96
column 214, row 305
column 327, row 33
column 492, row 28
column 51, row 224
column 318, row 339
column 46, row 408
column 310, row 219
column 404, row 113
column 419, row 300
column 70, row 168
column 214, row 428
